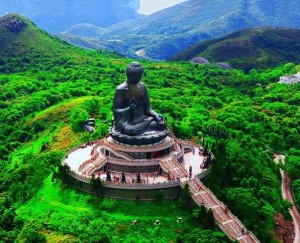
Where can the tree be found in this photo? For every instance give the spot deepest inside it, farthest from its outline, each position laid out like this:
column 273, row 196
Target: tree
column 78, row 117
column 64, row 173
column 204, row 236
column 96, row 185
column 30, row 233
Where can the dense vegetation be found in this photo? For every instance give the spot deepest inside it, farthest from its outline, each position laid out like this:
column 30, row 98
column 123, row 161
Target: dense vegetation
column 44, row 89
column 292, row 167
column 247, row 49
column 166, row 33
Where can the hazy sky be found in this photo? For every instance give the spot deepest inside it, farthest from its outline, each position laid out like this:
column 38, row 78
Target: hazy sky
column 151, row 6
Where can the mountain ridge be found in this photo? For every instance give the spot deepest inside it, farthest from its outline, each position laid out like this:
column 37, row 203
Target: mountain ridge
column 169, row 31
column 59, row 15
column 20, row 37
column 250, row 48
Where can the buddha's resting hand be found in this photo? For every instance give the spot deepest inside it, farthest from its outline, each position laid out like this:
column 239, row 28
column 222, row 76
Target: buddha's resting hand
column 160, row 119
column 132, row 103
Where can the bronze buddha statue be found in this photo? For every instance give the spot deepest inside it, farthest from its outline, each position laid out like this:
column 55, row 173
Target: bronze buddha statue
column 134, row 122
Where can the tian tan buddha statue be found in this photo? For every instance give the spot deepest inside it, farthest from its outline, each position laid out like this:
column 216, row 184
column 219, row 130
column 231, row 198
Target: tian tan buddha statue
column 134, row 122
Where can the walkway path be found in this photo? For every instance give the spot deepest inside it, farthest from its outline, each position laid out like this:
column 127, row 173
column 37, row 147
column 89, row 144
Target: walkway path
column 177, row 171
column 227, row 222
column 287, row 194
column 194, row 159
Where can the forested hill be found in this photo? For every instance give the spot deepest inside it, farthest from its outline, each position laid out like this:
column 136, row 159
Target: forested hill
column 59, row 15
column 19, row 36
column 252, row 48
column 45, row 97
column 22, row 42
column 166, row 33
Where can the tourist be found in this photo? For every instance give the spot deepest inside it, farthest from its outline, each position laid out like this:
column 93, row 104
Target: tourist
column 226, row 209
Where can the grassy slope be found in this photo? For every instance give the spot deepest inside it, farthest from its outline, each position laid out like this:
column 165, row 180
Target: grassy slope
column 39, row 41
column 58, row 210
column 247, row 49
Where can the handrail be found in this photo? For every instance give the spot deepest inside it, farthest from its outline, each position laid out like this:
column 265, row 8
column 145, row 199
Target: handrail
column 143, row 185
column 87, row 180
column 180, row 154
column 85, row 163
column 119, row 153
column 189, row 143
column 97, row 165
column 204, row 173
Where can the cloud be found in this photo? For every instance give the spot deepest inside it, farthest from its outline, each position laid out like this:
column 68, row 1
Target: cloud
column 152, row 6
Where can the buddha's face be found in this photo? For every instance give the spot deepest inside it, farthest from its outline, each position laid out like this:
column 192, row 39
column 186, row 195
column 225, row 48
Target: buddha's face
column 134, row 78
column 134, row 73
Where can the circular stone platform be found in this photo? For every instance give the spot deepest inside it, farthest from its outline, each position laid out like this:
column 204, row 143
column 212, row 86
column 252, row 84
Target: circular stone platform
column 161, row 166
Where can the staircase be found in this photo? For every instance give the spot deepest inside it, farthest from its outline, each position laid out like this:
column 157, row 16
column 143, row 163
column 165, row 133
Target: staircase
column 227, row 222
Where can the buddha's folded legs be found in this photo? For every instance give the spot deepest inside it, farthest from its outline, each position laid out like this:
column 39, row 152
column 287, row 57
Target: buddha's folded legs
column 148, row 125
column 138, row 128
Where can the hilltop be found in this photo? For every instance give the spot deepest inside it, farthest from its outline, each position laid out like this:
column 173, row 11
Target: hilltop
column 22, row 43
column 19, row 36
column 253, row 48
column 165, row 33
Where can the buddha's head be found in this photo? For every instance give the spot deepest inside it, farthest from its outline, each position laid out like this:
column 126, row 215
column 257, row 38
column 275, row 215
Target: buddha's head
column 134, row 72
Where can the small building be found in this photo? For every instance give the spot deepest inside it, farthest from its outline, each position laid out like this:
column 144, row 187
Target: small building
column 292, row 79
column 89, row 125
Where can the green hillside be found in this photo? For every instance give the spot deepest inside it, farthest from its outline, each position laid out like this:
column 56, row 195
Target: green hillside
column 253, row 48
column 41, row 93
column 20, row 37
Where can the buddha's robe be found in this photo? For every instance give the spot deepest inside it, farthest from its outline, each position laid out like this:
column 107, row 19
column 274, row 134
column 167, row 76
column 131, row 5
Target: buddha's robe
column 139, row 120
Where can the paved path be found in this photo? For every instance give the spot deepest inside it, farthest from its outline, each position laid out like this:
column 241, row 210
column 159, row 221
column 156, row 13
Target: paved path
column 194, row 159
column 227, row 222
column 287, row 194
column 177, row 171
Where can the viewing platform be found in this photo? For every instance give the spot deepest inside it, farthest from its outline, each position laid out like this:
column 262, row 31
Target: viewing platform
column 160, row 166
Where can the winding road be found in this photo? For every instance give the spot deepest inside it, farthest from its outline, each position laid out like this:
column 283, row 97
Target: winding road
column 287, row 194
